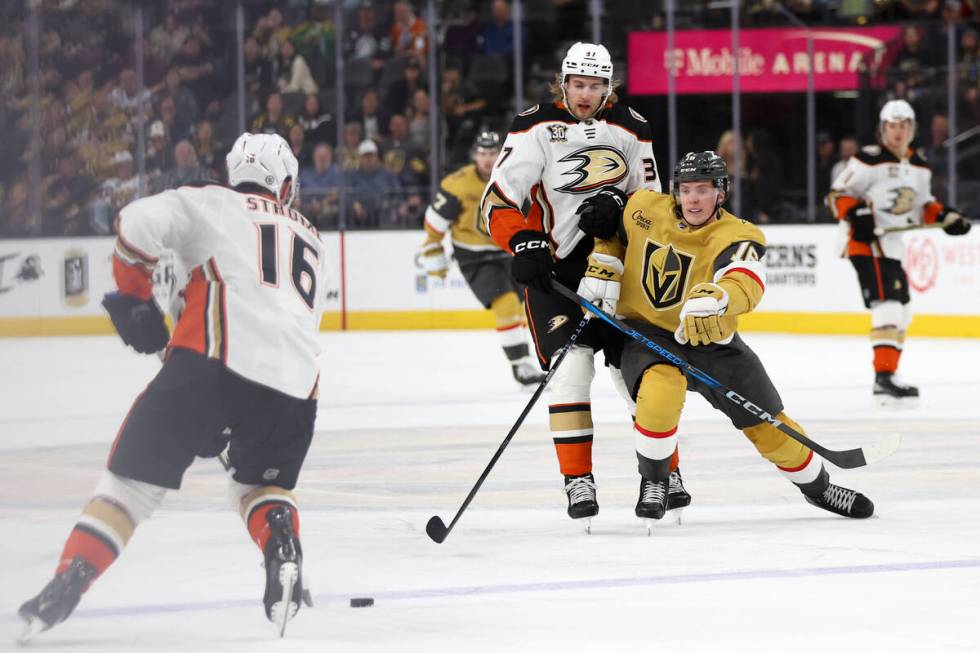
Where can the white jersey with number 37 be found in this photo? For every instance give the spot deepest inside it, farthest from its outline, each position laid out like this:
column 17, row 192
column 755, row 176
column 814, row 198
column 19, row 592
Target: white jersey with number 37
column 257, row 283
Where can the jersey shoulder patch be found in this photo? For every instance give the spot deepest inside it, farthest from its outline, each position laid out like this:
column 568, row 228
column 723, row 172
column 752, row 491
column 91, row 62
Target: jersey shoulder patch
column 870, row 155
column 541, row 113
column 629, row 120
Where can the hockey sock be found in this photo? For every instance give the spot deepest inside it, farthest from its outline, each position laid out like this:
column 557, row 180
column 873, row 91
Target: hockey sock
column 511, row 332
column 571, row 430
column 257, row 504
column 659, row 401
column 99, row 536
column 886, row 358
column 794, row 460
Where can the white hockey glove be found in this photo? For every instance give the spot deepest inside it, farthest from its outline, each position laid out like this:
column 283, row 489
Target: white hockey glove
column 432, row 259
column 601, row 282
column 699, row 317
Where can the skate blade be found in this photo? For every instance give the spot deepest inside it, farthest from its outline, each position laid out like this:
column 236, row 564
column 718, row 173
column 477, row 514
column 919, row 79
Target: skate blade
column 31, row 629
column 888, row 401
column 285, row 609
column 677, row 514
column 588, row 525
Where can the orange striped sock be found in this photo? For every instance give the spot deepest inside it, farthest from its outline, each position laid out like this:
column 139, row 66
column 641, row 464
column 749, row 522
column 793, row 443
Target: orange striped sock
column 258, row 525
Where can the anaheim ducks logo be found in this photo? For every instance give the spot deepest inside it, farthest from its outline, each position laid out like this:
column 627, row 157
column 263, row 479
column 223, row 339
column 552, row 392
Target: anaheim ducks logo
column 665, row 272
column 903, row 200
column 557, row 322
column 595, row 167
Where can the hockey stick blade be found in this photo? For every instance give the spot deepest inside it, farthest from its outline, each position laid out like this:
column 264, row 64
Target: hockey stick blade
column 847, row 459
column 436, row 530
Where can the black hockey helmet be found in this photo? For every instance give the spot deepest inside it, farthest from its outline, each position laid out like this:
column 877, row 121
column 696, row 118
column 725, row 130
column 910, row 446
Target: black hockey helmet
column 701, row 166
column 487, row 140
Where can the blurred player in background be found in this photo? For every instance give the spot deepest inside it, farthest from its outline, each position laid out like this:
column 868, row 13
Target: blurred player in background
column 882, row 187
column 680, row 270
column 241, row 370
column 486, row 267
column 582, row 145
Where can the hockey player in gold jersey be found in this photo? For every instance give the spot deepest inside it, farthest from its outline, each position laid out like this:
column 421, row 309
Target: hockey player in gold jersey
column 886, row 186
column 484, row 265
column 680, row 269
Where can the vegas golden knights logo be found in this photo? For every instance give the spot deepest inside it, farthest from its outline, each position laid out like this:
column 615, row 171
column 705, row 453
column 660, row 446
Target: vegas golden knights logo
column 595, row 167
column 665, row 272
column 903, row 200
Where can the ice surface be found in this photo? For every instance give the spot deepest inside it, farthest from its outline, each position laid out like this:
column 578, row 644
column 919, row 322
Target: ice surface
column 408, row 421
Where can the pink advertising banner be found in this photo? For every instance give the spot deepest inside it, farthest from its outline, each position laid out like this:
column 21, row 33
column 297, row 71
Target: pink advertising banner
column 770, row 60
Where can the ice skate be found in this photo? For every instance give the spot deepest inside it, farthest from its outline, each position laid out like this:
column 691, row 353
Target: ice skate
column 527, row 372
column 677, row 496
column 889, row 393
column 57, row 600
column 652, row 504
column 842, row 501
column 582, row 499
column 283, row 570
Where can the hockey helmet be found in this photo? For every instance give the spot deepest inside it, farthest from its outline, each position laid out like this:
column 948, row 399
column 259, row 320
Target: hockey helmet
column 487, row 140
column 266, row 160
column 701, row 166
column 896, row 111
column 591, row 59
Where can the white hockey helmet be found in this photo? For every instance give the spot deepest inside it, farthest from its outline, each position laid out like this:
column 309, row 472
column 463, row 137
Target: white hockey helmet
column 266, row 160
column 896, row 111
column 589, row 59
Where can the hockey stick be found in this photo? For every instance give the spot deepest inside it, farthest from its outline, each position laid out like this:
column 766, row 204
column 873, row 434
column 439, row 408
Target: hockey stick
column 847, row 459
column 436, row 528
column 881, row 231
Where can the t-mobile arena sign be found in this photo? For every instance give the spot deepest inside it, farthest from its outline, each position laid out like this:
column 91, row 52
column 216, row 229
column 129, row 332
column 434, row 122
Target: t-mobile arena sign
column 770, row 60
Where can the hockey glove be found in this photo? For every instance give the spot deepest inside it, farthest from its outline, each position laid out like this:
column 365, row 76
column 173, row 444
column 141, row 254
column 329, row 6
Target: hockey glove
column 601, row 282
column 862, row 222
column 139, row 323
column 432, row 258
column 700, row 317
column 533, row 261
column 599, row 216
column 955, row 223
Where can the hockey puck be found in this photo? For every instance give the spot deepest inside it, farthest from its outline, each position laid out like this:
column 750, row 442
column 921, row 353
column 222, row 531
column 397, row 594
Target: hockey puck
column 365, row 602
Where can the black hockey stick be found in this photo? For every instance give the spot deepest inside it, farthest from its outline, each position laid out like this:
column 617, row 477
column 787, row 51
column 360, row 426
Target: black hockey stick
column 847, row 459
column 436, row 528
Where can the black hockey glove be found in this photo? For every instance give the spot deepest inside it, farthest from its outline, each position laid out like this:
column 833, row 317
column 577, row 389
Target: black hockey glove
column 533, row 262
column 956, row 224
column 862, row 222
column 599, row 216
column 140, row 324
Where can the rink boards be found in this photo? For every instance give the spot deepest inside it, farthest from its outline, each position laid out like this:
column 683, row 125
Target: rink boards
column 53, row 286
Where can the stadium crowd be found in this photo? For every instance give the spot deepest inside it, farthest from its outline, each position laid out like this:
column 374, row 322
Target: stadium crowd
column 74, row 98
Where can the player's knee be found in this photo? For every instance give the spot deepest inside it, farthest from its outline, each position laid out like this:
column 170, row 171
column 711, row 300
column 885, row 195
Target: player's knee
column 616, row 375
column 660, row 398
column 888, row 313
column 138, row 498
column 507, row 310
column 573, row 378
column 777, row 447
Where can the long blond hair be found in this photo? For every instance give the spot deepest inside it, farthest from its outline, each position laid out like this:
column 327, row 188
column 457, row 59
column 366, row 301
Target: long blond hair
column 725, row 143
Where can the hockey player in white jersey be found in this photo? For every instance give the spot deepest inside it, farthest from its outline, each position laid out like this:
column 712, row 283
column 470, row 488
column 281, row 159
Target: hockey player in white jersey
column 579, row 155
column 886, row 186
column 241, row 370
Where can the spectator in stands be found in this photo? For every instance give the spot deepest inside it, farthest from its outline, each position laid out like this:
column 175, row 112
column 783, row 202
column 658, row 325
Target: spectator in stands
column 187, row 169
column 419, row 126
column 177, row 126
column 367, row 39
column 409, row 34
column 117, row 191
column 270, row 33
column 403, row 156
column 400, row 93
column 185, row 103
column 159, row 152
column 350, row 158
column 846, row 148
column 317, row 123
column 294, row 73
column 371, row 116
column 258, row 76
column 462, row 38
column 299, row 146
column 320, row 184
column 19, row 222
column 66, row 197
column 127, row 95
column 912, row 55
column 274, row 120
column 210, row 153
column 969, row 60
column 726, row 150
column 374, row 190
column 167, row 38
column 498, row 35
column 197, row 70
column 463, row 108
